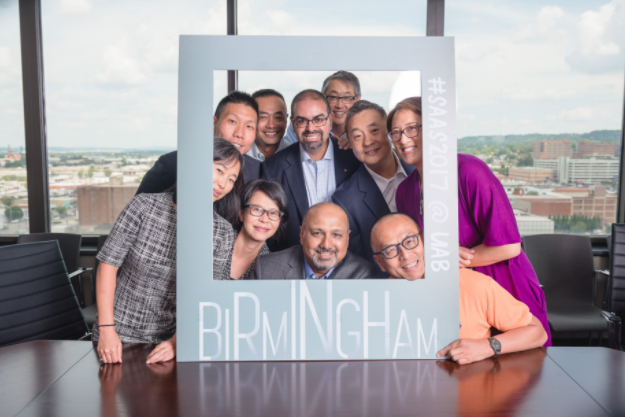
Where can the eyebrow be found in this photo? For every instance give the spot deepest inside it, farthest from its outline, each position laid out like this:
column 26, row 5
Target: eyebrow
column 272, row 112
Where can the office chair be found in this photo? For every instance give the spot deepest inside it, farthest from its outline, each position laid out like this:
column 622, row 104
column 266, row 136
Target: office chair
column 37, row 299
column 565, row 269
column 614, row 301
column 91, row 311
column 70, row 249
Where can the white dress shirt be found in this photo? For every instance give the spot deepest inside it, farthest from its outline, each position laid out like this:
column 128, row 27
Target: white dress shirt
column 388, row 187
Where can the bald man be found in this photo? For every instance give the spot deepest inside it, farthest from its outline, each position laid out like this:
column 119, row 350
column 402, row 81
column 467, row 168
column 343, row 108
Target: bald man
column 322, row 253
column 397, row 246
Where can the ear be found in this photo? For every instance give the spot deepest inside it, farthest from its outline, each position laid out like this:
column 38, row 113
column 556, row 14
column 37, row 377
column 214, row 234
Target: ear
column 380, row 264
column 214, row 125
column 301, row 235
column 241, row 215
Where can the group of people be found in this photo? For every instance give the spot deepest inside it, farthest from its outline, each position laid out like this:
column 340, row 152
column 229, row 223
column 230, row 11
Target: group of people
column 335, row 194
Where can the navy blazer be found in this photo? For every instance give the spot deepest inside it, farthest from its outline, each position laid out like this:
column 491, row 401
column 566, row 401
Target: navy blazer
column 364, row 203
column 285, row 167
column 164, row 173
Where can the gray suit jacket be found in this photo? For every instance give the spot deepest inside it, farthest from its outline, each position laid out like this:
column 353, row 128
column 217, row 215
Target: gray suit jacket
column 289, row 264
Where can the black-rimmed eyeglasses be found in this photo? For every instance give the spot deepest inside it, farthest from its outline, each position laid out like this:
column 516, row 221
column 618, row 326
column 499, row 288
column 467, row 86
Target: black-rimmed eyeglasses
column 346, row 99
column 410, row 243
column 258, row 211
column 318, row 121
column 411, row 131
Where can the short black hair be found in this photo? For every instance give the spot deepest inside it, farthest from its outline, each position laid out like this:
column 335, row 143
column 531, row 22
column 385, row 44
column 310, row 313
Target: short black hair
column 268, row 92
column 310, row 93
column 236, row 97
column 361, row 106
column 228, row 206
column 274, row 191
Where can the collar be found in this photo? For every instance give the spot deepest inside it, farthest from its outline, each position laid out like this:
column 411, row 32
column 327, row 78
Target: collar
column 308, row 272
column 255, row 153
column 329, row 155
column 378, row 178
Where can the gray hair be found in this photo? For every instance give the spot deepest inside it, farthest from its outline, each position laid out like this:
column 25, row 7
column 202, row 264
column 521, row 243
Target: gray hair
column 346, row 77
column 361, row 106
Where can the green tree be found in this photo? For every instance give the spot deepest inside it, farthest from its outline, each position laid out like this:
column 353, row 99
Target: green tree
column 90, row 172
column 13, row 213
column 532, row 192
column 81, row 174
column 108, row 172
column 61, row 210
column 7, row 201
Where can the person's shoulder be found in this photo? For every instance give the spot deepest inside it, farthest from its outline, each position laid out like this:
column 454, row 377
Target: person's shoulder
column 278, row 159
column 356, row 262
column 251, row 160
column 168, row 158
column 280, row 258
column 344, row 190
column 472, row 166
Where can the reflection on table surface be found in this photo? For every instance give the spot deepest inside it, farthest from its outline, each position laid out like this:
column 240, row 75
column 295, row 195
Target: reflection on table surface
column 527, row 383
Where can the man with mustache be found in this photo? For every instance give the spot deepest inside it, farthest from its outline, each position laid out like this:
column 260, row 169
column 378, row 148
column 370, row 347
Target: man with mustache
column 342, row 90
column 397, row 243
column 235, row 120
column 370, row 193
column 324, row 238
column 310, row 171
column 271, row 124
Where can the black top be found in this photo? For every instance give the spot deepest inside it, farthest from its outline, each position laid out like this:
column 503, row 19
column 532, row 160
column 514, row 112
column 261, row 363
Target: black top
column 163, row 174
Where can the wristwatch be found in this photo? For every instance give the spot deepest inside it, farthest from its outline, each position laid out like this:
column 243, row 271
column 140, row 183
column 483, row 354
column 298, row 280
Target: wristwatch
column 495, row 345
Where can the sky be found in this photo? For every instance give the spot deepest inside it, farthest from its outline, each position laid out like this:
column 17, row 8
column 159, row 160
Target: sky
column 111, row 66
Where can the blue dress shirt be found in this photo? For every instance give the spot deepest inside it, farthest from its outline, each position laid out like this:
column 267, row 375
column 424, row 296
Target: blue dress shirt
column 309, row 274
column 318, row 176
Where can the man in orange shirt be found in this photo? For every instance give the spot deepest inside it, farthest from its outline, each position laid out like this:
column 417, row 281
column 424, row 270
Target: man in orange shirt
column 398, row 250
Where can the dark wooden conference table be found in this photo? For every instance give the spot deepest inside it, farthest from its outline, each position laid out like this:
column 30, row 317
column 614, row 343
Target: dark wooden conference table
column 65, row 378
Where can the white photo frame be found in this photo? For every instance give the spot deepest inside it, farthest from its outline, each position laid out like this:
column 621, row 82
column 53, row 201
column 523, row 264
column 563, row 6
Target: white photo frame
column 320, row 320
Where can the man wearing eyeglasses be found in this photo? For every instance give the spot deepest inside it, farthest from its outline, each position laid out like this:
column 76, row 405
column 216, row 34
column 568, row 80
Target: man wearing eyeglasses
column 310, row 171
column 322, row 253
column 370, row 193
column 397, row 243
column 342, row 90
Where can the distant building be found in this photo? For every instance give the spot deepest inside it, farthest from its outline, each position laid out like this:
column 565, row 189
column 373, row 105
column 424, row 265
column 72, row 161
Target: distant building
column 102, row 203
column 552, row 149
column 587, row 149
column 530, row 224
column 594, row 202
column 531, row 174
column 571, row 170
column 543, row 205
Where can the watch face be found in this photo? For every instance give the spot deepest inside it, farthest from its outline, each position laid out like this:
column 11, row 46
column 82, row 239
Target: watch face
column 496, row 345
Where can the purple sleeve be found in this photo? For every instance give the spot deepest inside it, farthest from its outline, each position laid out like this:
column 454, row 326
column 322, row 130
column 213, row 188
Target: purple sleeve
column 487, row 204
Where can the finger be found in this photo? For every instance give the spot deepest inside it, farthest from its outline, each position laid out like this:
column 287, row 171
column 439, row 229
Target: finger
column 118, row 353
column 160, row 356
column 155, row 351
column 444, row 351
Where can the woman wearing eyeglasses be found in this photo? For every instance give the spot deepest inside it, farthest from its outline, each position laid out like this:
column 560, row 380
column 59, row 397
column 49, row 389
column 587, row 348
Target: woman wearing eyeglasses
column 489, row 237
column 263, row 214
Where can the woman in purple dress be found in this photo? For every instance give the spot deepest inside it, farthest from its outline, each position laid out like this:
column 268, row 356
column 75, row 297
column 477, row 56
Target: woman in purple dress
column 489, row 238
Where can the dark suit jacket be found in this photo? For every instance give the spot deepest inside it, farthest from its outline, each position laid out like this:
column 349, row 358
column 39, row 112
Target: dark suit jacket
column 364, row 203
column 164, row 172
column 286, row 168
column 289, row 264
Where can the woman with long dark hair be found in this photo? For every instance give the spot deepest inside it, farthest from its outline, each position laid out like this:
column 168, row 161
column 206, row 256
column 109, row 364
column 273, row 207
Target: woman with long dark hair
column 490, row 241
column 263, row 214
column 136, row 281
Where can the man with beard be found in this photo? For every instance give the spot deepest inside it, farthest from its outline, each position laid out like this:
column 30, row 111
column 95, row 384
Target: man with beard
column 235, row 120
column 310, row 171
column 324, row 238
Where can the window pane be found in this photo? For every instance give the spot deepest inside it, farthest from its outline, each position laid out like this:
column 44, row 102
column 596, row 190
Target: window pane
column 111, row 73
column 540, row 99
column 13, row 193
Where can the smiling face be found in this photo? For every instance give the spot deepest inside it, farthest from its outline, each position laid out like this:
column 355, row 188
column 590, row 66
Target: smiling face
column 324, row 237
column 272, row 120
column 225, row 175
column 310, row 136
column 339, row 108
column 409, row 149
column 392, row 231
column 237, row 125
column 367, row 134
column 259, row 228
